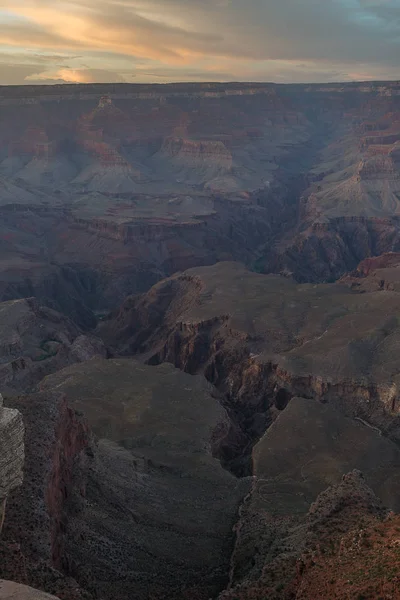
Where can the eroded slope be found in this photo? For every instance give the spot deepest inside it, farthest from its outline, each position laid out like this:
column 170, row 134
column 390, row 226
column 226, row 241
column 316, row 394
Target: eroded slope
column 262, row 339
column 143, row 505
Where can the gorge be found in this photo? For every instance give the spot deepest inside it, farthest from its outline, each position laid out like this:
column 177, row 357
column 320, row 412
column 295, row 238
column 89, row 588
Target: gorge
column 199, row 308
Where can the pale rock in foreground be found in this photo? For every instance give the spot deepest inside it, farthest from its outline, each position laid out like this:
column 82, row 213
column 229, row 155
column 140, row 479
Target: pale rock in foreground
column 14, row 591
column 11, row 453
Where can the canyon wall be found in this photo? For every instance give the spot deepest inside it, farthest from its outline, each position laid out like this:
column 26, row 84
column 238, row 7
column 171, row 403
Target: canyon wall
column 104, row 190
column 33, row 533
column 11, row 454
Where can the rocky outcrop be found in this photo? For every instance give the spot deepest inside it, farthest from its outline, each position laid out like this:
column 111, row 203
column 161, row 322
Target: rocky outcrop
column 345, row 547
column 34, row 529
column 9, row 590
column 151, row 508
column 138, row 501
column 263, row 339
column 326, row 251
column 376, row 273
column 37, row 341
column 11, row 454
column 320, row 446
column 198, row 153
column 255, row 161
column 116, row 187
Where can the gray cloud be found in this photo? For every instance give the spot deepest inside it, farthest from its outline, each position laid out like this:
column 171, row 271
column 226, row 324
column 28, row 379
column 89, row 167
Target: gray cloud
column 11, row 74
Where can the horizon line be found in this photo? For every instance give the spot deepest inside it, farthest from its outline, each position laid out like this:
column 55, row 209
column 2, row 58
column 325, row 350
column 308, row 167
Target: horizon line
column 205, row 82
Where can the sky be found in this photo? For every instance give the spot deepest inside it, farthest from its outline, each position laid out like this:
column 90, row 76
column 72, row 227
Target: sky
column 136, row 41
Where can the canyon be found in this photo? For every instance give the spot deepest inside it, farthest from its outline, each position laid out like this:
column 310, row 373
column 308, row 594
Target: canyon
column 105, row 190
column 199, row 317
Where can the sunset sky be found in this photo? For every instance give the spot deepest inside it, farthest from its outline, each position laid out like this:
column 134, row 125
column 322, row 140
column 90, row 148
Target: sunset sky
column 56, row 41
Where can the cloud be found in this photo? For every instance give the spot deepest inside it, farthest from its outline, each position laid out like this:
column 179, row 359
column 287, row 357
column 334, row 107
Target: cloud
column 67, row 75
column 289, row 40
column 11, row 74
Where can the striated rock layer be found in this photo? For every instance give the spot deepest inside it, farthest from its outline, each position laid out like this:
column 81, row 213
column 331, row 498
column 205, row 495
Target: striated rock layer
column 263, row 341
column 106, row 189
column 11, row 454
column 32, row 541
column 306, row 450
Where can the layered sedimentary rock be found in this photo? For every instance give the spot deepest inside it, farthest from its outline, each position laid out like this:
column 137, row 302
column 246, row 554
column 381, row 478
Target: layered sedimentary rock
column 87, row 158
column 263, row 340
column 350, row 209
column 32, row 536
column 95, row 181
column 197, row 161
column 105, row 190
column 11, row 454
column 377, row 273
column 91, row 257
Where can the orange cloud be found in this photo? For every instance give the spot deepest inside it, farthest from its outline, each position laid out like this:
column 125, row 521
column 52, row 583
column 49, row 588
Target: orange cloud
column 70, row 25
column 77, row 76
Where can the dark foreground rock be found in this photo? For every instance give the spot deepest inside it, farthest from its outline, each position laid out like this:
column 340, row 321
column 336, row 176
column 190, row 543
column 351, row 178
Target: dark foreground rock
column 138, row 504
column 345, row 547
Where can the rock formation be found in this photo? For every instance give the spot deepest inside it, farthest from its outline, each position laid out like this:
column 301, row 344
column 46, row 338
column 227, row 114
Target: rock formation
column 140, row 477
column 36, row 340
column 15, row 591
column 345, row 547
column 132, row 496
column 312, row 192
column 263, row 339
column 32, row 532
column 11, row 454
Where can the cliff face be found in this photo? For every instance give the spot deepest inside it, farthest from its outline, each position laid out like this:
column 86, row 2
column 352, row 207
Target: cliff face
column 11, row 454
column 198, row 161
column 139, row 477
column 319, row 446
column 263, row 341
column 153, row 485
column 34, row 527
column 325, row 251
